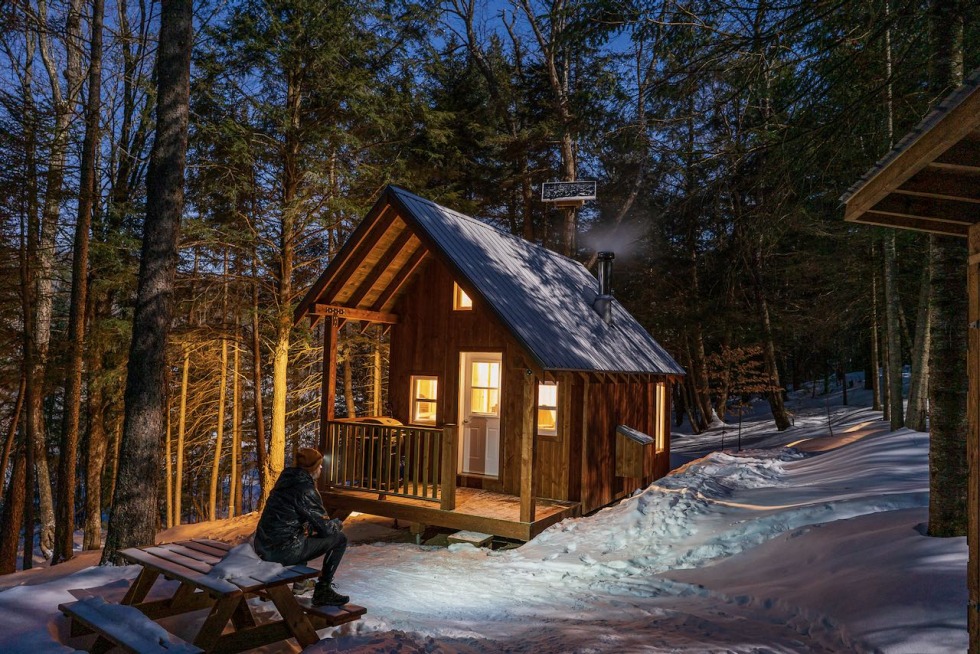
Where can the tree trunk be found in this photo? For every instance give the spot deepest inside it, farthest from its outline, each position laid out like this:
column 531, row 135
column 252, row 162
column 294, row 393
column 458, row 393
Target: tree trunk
column 65, row 518
column 234, row 490
column 349, row 384
column 948, row 469
column 133, row 518
column 219, row 434
column 94, row 465
column 181, row 425
column 892, row 309
column 265, row 482
column 13, row 510
column 284, row 278
column 64, row 108
column 915, row 418
column 8, row 444
column 875, row 356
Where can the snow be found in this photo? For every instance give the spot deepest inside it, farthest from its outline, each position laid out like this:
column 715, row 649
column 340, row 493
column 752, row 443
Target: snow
column 815, row 548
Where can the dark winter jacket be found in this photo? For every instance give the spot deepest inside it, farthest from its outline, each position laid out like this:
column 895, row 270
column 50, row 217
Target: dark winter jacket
column 293, row 506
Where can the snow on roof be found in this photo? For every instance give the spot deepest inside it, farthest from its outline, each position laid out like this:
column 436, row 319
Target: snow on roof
column 543, row 298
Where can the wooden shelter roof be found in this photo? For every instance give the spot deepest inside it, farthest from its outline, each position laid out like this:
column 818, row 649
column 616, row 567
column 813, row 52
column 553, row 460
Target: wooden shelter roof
column 543, row 299
column 930, row 181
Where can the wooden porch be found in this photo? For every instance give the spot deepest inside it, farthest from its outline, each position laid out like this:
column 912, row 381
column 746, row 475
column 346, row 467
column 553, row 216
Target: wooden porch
column 475, row 510
column 408, row 473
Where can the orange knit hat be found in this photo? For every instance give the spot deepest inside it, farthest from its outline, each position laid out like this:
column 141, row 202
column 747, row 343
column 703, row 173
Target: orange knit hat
column 308, row 458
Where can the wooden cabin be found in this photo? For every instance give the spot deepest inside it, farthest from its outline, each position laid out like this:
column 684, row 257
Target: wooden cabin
column 521, row 393
column 929, row 183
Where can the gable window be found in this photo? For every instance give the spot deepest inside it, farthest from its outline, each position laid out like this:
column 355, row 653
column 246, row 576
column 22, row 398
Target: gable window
column 461, row 301
column 425, row 392
column 548, row 409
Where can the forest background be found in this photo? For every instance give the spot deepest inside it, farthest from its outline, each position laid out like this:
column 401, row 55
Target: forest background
column 721, row 135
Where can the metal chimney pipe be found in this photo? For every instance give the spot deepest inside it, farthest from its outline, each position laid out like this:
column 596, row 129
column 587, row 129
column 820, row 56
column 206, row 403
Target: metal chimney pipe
column 605, row 272
column 603, row 303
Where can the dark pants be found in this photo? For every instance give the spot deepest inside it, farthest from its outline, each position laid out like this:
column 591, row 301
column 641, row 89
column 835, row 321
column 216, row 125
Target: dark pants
column 332, row 548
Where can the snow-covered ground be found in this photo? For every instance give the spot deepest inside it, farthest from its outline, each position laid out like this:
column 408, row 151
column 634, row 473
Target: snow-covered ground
column 818, row 548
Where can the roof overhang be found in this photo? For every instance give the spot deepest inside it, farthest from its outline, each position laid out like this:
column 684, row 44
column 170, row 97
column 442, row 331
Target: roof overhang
column 930, row 182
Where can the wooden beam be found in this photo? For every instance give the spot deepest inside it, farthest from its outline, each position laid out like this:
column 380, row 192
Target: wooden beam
column 403, row 276
column 395, row 249
column 347, row 313
column 448, row 473
column 943, row 184
column 963, row 155
column 369, row 230
column 328, row 399
column 911, row 206
column 916, row 224
column 956, row 125
column 528, row 450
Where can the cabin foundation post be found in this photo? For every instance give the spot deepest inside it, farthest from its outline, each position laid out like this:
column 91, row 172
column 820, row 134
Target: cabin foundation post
column 447, row 500
column 973, row 438
column 328, row 400
column 528, row 449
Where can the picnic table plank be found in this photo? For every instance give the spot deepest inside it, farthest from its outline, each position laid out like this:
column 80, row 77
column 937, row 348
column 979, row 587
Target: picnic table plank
column 182, row 573
column 293, row 614
column 177, row 557
column 124, row 626
column 221, row 545
column 332, row 615
column 203, row 547
column 197, row 555
column 258, row 580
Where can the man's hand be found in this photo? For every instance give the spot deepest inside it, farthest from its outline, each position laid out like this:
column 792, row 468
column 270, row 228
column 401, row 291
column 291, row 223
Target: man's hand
column 334, row 526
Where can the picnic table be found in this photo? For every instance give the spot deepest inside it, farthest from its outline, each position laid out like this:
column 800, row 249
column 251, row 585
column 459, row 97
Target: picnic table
column 131, row 623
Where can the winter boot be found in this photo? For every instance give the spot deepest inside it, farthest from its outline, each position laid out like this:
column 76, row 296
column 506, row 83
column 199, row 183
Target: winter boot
column 303, row 587
column 325, row 595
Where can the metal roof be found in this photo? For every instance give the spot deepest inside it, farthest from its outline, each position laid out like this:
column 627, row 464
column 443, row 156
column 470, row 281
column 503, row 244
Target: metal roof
column 544, row 299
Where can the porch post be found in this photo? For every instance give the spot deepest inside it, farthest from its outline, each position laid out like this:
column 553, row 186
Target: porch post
column 528, row 450
column 331, row 330
column 448, row 476
column 973, row 438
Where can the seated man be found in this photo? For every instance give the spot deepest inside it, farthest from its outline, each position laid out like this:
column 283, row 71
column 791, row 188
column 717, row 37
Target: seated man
column 293, row 528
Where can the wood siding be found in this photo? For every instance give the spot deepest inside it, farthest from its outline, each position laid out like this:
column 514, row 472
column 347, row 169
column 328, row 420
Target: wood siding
column 428, row 340
column 579, row 463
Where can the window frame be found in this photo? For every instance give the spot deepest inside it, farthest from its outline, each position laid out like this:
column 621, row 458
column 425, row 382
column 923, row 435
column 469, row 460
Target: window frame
column 458, row 295
column 547, row 434
column 416, row 400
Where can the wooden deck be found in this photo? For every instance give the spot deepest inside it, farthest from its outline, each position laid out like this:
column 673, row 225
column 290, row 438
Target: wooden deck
column 476, row 510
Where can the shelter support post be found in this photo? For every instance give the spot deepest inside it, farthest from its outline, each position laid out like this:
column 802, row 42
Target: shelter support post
column 528, row 449
column 973, row 438
column 447, row 500
column 328, row 399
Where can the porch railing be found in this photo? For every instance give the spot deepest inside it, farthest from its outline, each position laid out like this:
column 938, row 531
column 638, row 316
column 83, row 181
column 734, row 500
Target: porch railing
column 405, row 461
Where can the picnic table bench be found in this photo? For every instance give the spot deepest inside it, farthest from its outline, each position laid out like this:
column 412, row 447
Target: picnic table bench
column 190, row 562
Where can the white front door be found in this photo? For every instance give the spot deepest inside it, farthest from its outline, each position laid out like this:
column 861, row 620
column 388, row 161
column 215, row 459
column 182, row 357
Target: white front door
column 479, row 410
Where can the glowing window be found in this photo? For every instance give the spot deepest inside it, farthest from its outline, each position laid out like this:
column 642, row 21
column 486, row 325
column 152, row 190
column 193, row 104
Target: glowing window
column 661, row 431
column 485, row 385
column 425, row 392
column 461, row 301
column 548, row 409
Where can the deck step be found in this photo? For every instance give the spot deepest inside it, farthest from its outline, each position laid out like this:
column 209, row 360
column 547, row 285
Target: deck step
column 474, row 538
column 332, row 616
column 124, row 626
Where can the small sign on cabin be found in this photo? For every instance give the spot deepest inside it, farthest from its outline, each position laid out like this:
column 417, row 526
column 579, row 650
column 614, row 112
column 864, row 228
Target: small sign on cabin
column 567, row 192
